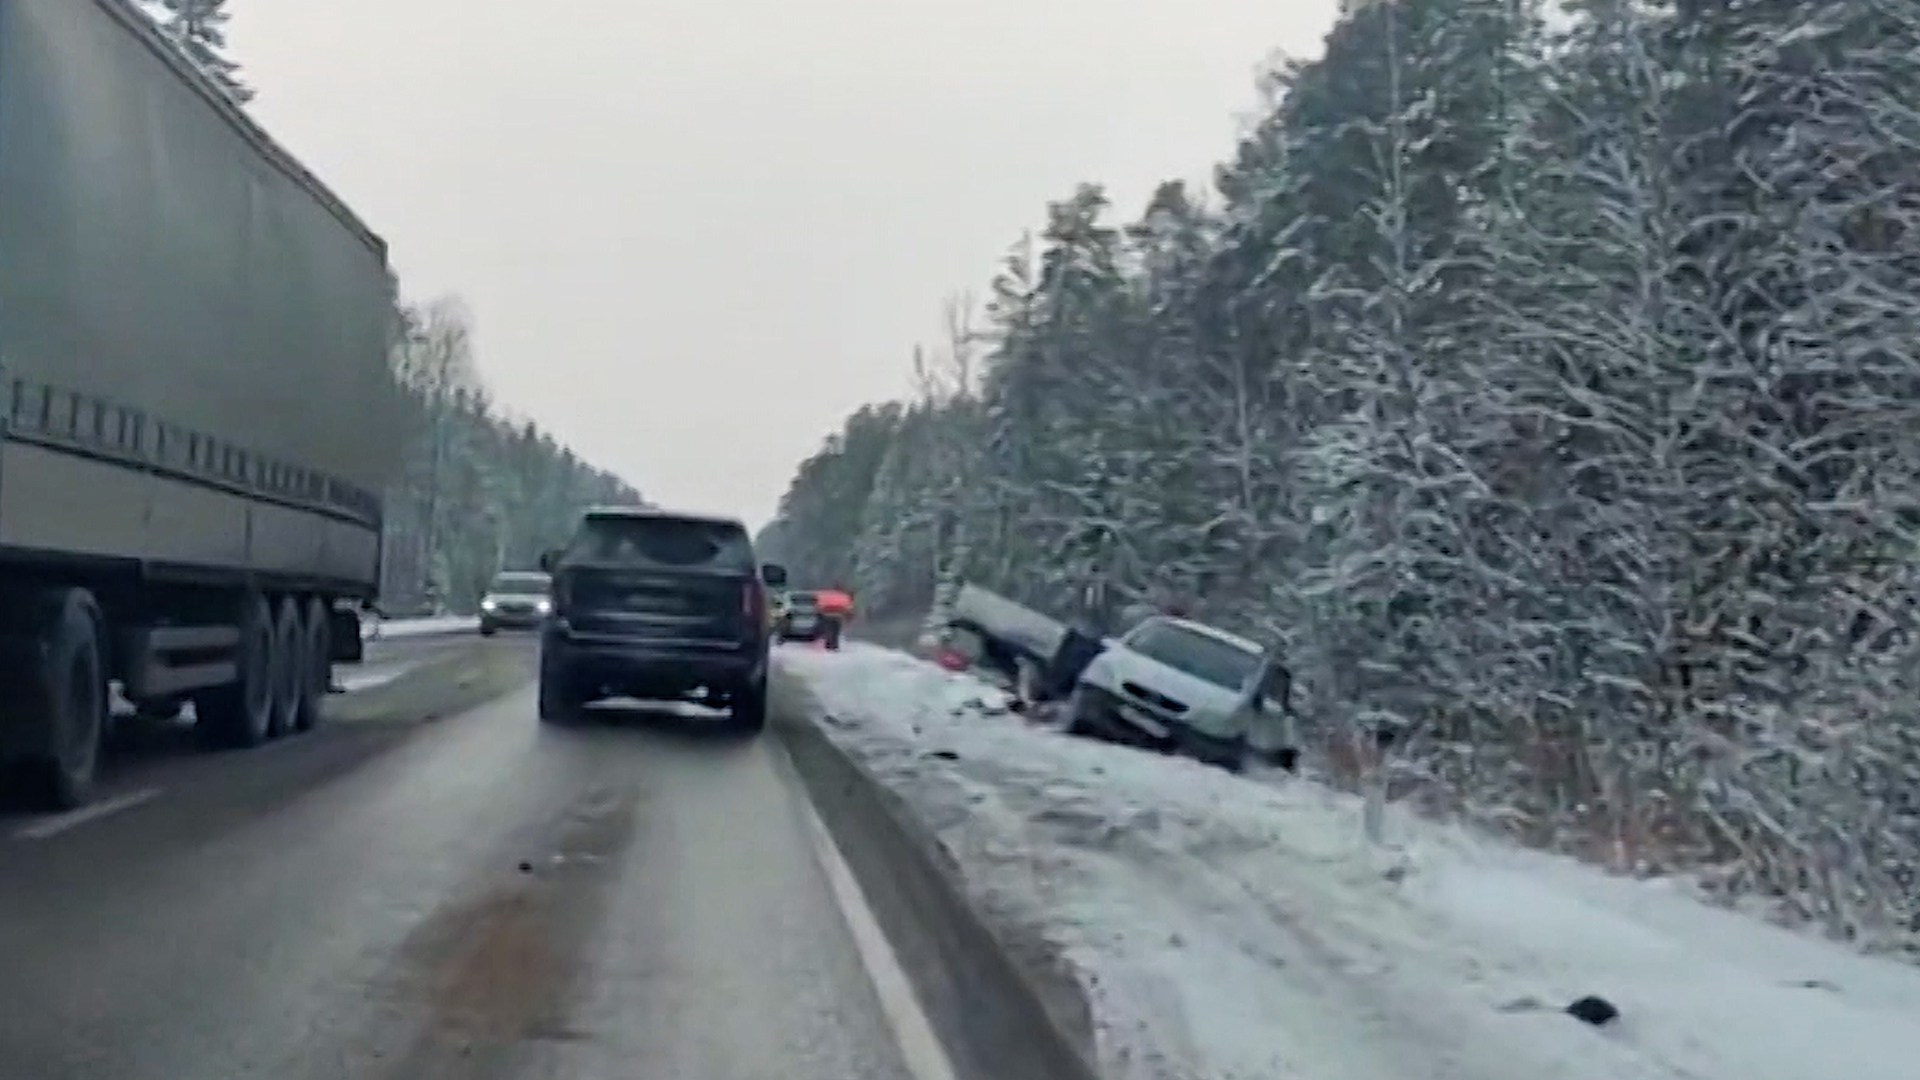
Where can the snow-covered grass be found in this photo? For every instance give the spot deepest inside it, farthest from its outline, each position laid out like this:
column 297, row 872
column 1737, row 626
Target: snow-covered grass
column 1230, row 928
column 378, row 629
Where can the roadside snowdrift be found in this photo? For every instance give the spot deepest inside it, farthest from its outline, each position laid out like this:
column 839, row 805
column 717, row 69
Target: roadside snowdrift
column 1241, row 929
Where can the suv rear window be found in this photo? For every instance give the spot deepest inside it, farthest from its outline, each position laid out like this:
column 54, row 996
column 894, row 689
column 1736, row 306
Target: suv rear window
column 681, row 543
column 1200, row 655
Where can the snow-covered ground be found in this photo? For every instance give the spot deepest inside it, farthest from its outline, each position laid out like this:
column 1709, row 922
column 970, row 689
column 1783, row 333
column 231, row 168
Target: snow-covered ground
column 1231, row 928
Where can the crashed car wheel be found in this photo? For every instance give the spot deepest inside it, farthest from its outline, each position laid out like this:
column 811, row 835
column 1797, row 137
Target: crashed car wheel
column 1079, row 712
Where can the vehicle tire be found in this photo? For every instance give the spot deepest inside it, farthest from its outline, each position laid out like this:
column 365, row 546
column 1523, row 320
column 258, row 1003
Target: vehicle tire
column 58, row 688
column 487, row 629
column 559, row 701
column 240, row 714
column 1234, row 761
column 747, row 707
column 1230, row 755
column 289, row 666
column 1078, row 706
column 317, row 648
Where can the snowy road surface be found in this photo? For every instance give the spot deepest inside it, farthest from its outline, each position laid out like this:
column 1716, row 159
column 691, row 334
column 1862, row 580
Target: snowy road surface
column 1242, row 929
column 484, row 897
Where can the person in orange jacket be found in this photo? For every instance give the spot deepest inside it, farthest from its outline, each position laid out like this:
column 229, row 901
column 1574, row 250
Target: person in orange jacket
column 836, row 610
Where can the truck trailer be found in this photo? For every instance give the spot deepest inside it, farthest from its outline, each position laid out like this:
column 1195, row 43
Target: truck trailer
column 196, row 396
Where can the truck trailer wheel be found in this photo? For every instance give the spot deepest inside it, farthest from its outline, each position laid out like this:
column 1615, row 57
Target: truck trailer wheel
column 240, row 714
column 318, row 670
column 289, row 666
column 57, row 690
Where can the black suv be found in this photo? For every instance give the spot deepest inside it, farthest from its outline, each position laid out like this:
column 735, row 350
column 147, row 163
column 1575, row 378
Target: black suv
column 657, row 605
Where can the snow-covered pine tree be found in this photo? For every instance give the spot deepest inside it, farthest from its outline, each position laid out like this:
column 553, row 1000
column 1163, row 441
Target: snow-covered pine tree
column 1391, row 129
column 1597, row 330
column 199, row 29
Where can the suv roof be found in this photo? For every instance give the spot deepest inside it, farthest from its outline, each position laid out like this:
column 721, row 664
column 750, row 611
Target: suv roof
column 643, row 513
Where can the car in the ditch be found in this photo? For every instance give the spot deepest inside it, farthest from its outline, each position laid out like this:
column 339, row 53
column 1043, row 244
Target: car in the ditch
column 1180, row 686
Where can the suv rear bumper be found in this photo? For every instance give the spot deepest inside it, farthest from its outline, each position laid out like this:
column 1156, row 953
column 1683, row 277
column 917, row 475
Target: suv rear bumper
column 648, row 668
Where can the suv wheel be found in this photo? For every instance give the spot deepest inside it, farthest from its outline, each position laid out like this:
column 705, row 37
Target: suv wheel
column 558, row 700
column 747, row 707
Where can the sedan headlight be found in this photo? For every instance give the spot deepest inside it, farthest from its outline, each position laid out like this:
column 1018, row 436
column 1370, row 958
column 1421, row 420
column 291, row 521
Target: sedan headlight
column 489, row 604
column 543, row 605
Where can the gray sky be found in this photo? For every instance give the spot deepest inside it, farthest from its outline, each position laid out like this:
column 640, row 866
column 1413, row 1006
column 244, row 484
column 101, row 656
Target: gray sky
column 696, row 233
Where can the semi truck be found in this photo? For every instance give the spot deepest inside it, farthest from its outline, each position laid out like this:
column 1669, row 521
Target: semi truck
column 197, row 403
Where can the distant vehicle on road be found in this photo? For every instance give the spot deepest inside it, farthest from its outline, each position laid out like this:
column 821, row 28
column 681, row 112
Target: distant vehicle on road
column 518, row 600
column 660, row 606
column 200, row 411
column 799, row 618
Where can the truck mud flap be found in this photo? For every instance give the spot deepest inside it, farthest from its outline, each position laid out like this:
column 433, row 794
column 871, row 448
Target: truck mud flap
column 344, row 636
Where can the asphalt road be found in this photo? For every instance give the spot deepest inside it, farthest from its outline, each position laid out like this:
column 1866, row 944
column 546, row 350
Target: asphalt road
column 483, row 896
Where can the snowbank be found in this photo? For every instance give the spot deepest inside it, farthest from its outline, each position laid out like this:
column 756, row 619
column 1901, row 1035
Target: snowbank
column 378, row 629
column 1230, row 928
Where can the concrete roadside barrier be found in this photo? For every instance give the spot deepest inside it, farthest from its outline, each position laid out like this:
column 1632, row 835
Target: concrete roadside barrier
column 996, row 1019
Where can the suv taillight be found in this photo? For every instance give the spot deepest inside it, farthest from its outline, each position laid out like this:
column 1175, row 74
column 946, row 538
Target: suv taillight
column 753, row 605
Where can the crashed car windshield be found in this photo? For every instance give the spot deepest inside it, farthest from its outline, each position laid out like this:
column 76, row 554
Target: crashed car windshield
column 1203, row 656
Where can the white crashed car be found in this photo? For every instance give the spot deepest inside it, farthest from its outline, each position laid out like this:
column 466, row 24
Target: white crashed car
column 1175, row 685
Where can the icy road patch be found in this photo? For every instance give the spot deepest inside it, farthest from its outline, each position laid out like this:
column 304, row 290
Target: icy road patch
column 1229, row 928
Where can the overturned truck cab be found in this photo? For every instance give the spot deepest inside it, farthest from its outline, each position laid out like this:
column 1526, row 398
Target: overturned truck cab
column 1039, row 655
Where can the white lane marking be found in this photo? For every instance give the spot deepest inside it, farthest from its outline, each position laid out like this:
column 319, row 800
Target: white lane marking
column 47, row 828
column 925, row 1057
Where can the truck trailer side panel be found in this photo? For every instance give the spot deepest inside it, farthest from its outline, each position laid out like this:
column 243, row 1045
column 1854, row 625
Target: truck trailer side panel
column 59, row 500
column 185, row 309
column 196, row 402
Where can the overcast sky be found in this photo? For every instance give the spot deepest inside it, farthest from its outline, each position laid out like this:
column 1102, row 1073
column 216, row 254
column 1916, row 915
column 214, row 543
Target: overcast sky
column 696, row 233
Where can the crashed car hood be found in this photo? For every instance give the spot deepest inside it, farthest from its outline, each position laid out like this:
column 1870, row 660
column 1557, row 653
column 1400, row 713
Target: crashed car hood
column 1210, row 709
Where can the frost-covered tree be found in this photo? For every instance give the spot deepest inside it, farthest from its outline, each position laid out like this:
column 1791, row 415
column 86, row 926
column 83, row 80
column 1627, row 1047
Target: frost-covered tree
column 1547, row 387
column 479, row 491
column 199, row 29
